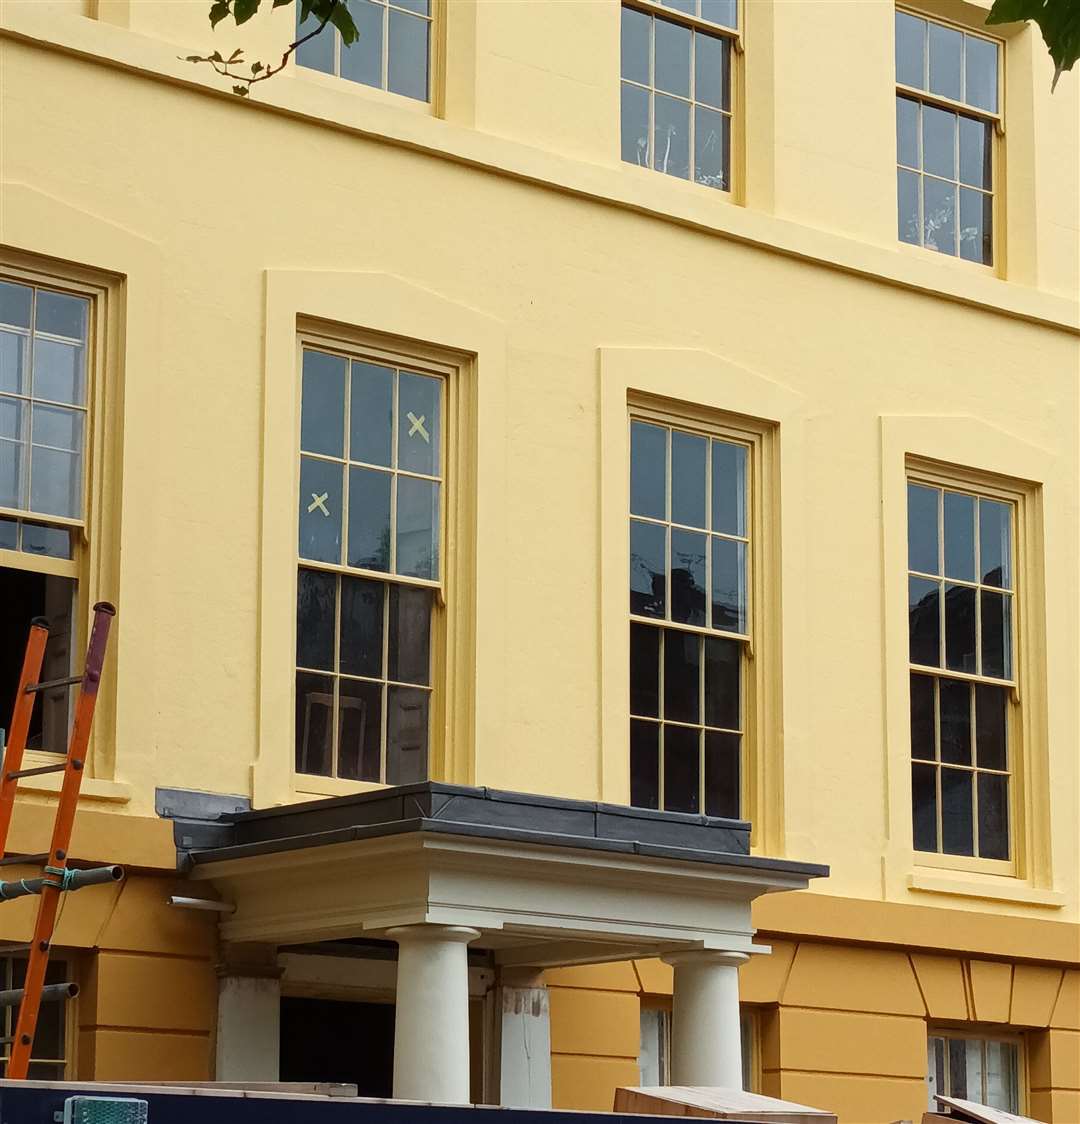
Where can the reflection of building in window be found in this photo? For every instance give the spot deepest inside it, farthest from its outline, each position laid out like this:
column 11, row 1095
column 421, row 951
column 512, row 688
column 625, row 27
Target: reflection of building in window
column 677, row 89
column 369, row 543
column 984, row 1070
column 960, row 606
column 689, row 540
column 49, row 1061
column 393, row 51
column 947, row 111
column 44, row 391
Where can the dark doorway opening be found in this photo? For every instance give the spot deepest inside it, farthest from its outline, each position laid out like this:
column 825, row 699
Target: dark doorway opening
column 328, row 1040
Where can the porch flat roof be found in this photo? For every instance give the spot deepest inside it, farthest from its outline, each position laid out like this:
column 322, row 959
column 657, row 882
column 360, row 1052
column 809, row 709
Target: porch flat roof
column 442, row 809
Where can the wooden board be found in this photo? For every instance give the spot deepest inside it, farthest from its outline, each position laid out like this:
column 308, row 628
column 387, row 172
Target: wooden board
column 970, row 1112
column 719, row 1104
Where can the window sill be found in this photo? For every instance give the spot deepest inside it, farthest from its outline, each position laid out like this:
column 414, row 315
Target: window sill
column 988, row 887
column 92, row 788
column 305, row 785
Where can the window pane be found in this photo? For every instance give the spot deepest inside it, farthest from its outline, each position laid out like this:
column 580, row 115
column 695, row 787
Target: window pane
column 990, row 726
column 729, row 488
column 682, row 676
column 935, row 1071
column 53, row 542
column 975, row 152
column 314, row 723
column 688, row 478
column 322, row 408
column 58, row 428
column 687, row 6
column 728, row 585
column 688, row 577
column 722, row 775
column 316, row 53
column 645, row 764
column 420, row 7
column 12, row 455
column 645, row 670
column 957, row 1049
column 407, row 735
column 320, row 510
column 907, row 132
column 371, row 413
column 981, row 73
column 939, row 215
column 682, row 769
column 648, row 569
column 61, row 315
column 711, row 70
column 955, row 702
column 636, row 29
column 359, row 729
column 1001, row 1076
column 409, row 643
column 993, row 816
column 712, row 148
column 418, row 423
column 58, row 371
column 946, row 46
column 13, row 352
column 910, row 50
column 671, row 136
column 316, row 604
column 723, row 673
column 634, row 125
column 960, row 628
column 648, row 470
column 672, row 65
column 922, row 717
column 995, row 543
column 369, row 519
column 9, row 528
column 362, row 60
column 939, row 141
column 923, row 529
column 55, row 482
column 417, row 528
column 976, row 226
column 956, row 818
column 996, row 634
column 908, row 223
column 362, row 627
column 722, row 12
column 15, row 301
column 409, row 53
column 959, row 536
column 924, row 622
column 924, row 807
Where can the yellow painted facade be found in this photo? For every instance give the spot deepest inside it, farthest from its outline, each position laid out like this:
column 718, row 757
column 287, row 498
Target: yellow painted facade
column 498, row 228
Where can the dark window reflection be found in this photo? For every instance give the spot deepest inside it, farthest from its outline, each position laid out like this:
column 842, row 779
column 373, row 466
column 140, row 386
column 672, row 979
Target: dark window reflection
column 956, row 818
column 993, row 816
column 359, row 729
column 648, row 569
column 955, row 703
column 682, row 769
column 688, row 577
column 644, row 670
column 682, row 665
column 722, row 774
column 960, row 628
column 924, row 622
column 996, row 634
column 316, row 606
column 995, row 543
column 922, row 717
column 645, row 764
column 990, row 726
column 924, row 806
column 723, row 667
column 314, row 723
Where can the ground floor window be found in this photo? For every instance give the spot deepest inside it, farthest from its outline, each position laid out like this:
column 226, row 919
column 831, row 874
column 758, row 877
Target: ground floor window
column 985, row 1070
column 654, row 1058
column 50, row 1052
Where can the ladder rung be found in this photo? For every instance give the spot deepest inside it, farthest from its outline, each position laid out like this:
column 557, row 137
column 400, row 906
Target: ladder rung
column 41, row 770
column 50, row 683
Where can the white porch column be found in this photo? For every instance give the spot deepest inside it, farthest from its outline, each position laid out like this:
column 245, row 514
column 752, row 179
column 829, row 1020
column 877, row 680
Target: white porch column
column 706, row 1039
column 524, row 1040
column 249, row 1015
column 431, row 1029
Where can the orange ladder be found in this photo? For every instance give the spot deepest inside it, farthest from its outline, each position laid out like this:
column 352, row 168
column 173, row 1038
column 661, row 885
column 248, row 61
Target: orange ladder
column 56, row 877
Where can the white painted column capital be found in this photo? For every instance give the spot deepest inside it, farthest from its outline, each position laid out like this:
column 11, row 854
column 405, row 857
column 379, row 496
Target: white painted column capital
column 431, row 1027
column 706, row 1036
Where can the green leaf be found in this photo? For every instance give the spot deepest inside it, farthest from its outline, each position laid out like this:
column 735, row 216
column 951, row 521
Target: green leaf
column 218, row 11
column 1058, row 20
column 243, row 10
column 343, row 21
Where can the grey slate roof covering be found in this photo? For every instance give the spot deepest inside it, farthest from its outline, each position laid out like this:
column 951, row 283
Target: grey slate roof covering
column 445, row 809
